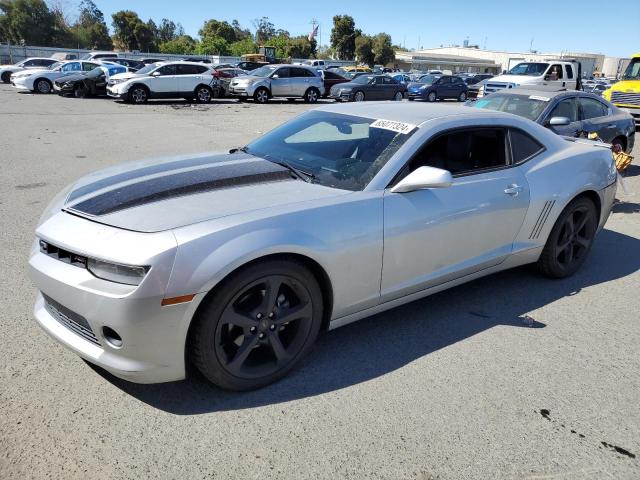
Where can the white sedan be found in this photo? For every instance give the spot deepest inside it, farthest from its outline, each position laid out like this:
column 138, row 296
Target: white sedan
column 34, row 63
column 41, row 81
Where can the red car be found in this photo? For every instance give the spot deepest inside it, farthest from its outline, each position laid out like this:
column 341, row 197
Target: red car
column 225, row 75
column 330, row 79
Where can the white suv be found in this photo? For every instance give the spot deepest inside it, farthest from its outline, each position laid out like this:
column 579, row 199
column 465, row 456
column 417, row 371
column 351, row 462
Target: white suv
column 190, row 80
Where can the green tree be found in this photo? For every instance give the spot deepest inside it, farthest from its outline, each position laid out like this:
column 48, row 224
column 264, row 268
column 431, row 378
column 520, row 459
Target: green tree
column 241, row 47
column 145, row 36
column 90, row 30
column 364, row 50
column 30, row 21
column 343, row 37
column 217, row 29
column 124, row 26
column 383, row 49
column 182, row 45
column 265, row 30
column 169, row 30
column 213, row 46
column 240, row 33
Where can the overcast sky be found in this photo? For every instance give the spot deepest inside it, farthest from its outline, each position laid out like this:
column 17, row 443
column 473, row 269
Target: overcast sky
column 580, row 26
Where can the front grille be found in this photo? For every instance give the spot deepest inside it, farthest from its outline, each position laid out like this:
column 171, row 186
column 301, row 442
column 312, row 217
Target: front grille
column 74, row 322
column 63, row 255
column 625, row 97
column 494, row 87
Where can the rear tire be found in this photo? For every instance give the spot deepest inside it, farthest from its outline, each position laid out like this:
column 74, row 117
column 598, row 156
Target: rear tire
column 462, row 97
column 311, row 95
column 570, row 239
column 398, row 97
column 203, row 94
column 257, row 325
column 80, row 92
column 622, row 142
column 6, row 77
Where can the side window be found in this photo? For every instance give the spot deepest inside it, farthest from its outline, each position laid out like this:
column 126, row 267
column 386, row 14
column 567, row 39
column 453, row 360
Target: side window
column 523, row 146
column 47, row 63
column 592, row 108
column 186, row 69
column 555, row 72
column 330, row 75
column 201, row 69
column 167, row 70
column 464, row 151
column 566, row 108
column 31, row 63
column 378, row 80
column 444, row 81
column 88, row 66
column 283, row 72
column 71, row 67
column 389, row 81
column 569, row 71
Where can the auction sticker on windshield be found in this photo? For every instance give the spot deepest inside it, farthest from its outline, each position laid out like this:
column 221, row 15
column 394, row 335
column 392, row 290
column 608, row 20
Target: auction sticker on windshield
column 399, row 127
column 536, row 97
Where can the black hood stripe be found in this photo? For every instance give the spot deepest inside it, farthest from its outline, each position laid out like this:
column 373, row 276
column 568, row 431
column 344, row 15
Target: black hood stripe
column 183, row 183
column 150, row 170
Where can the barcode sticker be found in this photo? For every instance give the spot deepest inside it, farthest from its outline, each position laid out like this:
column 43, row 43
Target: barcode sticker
column 399, row 127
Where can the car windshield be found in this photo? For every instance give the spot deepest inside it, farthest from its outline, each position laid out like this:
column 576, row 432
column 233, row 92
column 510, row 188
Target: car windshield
column 526, row 106
column 428, row 79
column 364, row 79
column 55, row 65
column 633, row 70
column 148, row 69
column 263, row 71
column 334, row 150
column 531, row 69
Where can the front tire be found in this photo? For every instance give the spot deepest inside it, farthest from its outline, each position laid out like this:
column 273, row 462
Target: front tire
column 358, row 97
column 80, row 92
column 261, row 95
column 432, row 97
column 570, row 239
column 259, row 323
column 138, row 95
column 398, row 97
column 42, row 85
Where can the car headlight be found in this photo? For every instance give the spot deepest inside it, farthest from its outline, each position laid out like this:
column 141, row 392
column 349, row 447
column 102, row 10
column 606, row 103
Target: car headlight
column 115, row 272
column 115, row 81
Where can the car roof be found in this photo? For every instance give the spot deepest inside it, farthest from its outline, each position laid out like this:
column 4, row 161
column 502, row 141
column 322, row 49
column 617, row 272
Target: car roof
column 181, row 62
column 409, row 112
column 548, row 94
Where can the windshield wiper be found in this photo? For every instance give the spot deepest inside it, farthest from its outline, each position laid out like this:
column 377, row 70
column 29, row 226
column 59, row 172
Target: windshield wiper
column 301, row 174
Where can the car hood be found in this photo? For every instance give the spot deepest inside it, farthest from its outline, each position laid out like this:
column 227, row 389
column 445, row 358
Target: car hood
column 126, row 76
column 154, row 196
column 351, row 85
column 250, row 78
column 627, row 86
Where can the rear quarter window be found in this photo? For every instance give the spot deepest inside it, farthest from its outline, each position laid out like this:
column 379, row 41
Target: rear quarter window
column 523, row 146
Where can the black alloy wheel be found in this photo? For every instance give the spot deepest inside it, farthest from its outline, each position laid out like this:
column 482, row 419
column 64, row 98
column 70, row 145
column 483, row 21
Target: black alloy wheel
column 258, row 325
column 80, row 91
column 570, row 239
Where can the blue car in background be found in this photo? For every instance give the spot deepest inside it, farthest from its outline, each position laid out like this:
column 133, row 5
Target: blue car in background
column 437, row 87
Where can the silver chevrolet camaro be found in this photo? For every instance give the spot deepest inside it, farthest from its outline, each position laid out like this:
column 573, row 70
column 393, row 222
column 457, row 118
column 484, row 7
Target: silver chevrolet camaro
column 235, row 262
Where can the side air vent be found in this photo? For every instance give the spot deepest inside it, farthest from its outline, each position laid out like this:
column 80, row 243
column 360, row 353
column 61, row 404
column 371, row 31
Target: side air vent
column 542, row 218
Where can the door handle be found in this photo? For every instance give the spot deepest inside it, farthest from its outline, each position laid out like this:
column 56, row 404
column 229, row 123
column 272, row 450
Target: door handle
column 513, row 190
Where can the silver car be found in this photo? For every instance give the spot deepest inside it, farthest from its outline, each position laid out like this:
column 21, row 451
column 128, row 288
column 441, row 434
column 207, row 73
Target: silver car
column 283, row 81
column 236, row 262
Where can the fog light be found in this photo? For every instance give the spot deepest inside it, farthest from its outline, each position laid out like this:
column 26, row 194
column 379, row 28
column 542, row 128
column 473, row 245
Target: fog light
column 112, row 337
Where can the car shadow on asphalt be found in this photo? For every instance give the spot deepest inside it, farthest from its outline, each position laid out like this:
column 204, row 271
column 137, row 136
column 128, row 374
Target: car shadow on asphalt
column 386, row 342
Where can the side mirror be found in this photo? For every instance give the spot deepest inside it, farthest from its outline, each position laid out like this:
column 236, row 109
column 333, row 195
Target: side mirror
column 275, row 75
column 424, row 177
column 558, row 122
column 156, row 74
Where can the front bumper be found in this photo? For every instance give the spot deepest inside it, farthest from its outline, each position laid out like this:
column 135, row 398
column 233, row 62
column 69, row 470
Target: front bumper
column 153, row 336
column 634, row 112
column 341, row 96
column 20, row 85
column 416, row 95
column 114, row 92
column 240, row 90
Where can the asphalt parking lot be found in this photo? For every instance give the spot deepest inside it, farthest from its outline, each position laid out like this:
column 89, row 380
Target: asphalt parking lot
column 512, row 376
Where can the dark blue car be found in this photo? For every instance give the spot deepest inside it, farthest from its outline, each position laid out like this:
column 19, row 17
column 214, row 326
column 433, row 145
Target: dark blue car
column 437, row 87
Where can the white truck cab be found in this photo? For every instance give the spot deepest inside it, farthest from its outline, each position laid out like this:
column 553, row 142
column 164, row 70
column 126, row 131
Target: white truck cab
column 554, row 73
